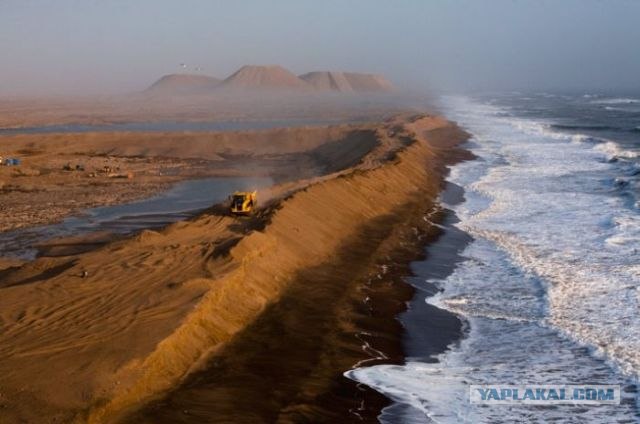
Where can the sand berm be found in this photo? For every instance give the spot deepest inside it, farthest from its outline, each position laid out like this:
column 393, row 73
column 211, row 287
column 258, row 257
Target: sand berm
column 253, row 302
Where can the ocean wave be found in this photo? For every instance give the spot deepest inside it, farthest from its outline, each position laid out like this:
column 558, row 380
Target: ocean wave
column 629, row 109
column 493, row 351
column 610, row 148
column 595, row 127
column 546, row 129
column 467, row 296
column 546, row 212
column 616, row 101
column 627, row 234
column 614, row 150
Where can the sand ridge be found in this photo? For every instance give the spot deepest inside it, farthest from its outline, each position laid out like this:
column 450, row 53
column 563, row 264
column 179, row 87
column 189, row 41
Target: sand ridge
column 156, row 306
column 301, row 234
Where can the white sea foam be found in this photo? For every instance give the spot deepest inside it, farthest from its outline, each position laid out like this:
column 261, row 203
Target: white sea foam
column 551, row 211
column 613, row 150
column 440, row 391
column 526, row 127
column 617, row 101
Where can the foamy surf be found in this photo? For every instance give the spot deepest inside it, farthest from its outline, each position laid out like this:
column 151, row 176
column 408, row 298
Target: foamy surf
column 549, row 287
column 617, row 101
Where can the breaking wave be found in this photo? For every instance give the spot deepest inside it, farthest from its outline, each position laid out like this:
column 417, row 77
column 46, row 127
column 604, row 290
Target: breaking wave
column 617, row 101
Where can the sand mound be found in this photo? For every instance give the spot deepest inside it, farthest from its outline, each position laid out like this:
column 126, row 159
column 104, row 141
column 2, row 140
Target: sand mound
column 368, row 82
column 347, row 82
column 266, row 78
column 328, row 81
column 180, row 84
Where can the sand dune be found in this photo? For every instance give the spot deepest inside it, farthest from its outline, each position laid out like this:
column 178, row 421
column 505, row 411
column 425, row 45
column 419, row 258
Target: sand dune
column 156, row 307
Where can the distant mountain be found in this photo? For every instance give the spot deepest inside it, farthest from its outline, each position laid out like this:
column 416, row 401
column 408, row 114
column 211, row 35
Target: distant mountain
column 183, row 84
column 347, row 81
column 273, row 77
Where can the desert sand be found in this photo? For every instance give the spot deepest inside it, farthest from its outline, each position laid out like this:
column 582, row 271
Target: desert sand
column 238, row 304
column 41, row 191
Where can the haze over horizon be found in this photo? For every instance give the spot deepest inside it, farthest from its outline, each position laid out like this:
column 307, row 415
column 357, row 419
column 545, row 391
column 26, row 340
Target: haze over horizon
column 91, row 47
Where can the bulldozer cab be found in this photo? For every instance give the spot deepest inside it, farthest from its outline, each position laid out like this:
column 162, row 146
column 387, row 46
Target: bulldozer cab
column 243, row 202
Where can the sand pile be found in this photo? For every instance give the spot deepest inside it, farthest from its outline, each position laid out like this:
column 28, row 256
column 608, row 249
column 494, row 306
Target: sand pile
column 272, row 77
column 329, row 81
column 368, row 82
column 347, row 82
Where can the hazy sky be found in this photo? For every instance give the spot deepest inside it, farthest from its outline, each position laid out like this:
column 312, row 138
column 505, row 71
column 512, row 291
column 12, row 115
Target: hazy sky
column 91, row 46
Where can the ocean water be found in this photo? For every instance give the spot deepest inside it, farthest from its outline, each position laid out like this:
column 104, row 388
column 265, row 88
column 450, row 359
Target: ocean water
column 549, row 287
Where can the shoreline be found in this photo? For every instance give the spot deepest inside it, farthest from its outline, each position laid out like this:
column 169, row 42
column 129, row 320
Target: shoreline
column 428, row 330
column 208, row 284
column 380, row 298
column 376, row 294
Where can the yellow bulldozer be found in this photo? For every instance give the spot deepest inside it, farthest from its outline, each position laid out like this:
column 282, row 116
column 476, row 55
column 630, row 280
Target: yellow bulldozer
column 243, row 202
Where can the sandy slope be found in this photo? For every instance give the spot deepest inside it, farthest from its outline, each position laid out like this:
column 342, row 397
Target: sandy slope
column 273, row 77
column 156, row 306
column 347, row 82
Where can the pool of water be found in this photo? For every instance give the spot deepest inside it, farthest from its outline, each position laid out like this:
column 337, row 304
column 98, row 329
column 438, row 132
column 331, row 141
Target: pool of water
column 182, row 201
column 165, row 126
